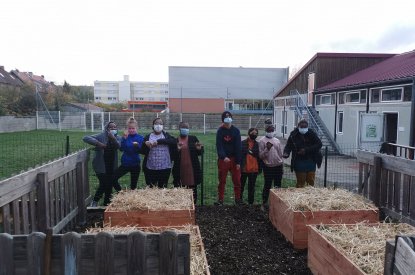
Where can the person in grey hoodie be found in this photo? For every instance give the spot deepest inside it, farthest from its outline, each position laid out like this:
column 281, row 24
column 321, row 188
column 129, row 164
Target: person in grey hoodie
column 105, row 160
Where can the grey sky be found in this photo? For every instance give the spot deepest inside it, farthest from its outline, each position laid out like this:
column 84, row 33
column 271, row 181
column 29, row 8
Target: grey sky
column 85, row 40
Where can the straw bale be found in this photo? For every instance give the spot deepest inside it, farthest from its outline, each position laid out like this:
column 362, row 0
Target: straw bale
column 152, row 199
column 198, row 266
column 322, row 199
column 364, row 244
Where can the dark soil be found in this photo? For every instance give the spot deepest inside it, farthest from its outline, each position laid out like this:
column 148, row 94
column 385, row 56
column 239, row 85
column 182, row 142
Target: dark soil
column 241, row 240
column 238, row 240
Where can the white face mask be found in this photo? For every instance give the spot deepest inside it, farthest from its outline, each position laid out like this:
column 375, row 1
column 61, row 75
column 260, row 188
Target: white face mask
column 303, row 130
column 269, row 135
column 158, row 128
column 227, row 120
column 114, row 132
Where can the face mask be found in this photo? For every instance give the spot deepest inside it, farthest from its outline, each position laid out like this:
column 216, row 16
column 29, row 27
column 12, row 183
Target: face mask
column 269, row 135
column 114, row 132
column 253, row 137
column 303, row 130
column 184, row 131
column 158, row 128
column 227, row 120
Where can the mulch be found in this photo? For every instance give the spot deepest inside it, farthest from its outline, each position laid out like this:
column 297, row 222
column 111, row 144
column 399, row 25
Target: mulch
column 238, row 240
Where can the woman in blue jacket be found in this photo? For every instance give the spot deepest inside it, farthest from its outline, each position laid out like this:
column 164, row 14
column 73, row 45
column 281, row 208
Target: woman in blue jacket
column 131, row 144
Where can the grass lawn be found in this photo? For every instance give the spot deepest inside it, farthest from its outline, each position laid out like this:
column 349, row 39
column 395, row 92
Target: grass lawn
column 22, row 150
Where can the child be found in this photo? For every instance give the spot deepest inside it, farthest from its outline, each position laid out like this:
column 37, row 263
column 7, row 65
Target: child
column 131, row 143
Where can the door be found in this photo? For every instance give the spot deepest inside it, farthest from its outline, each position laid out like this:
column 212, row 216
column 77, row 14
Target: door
column 391, row 127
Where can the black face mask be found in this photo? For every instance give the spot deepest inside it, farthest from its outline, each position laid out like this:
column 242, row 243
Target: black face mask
column 253, row 137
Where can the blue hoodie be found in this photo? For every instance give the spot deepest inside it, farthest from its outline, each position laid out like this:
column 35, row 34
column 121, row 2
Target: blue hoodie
column 130, row 157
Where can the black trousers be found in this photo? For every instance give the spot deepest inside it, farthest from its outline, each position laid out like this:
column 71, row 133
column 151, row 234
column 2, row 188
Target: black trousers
column 157, row 178
column 105, row 187
column 271, row 174
column 251, row 185
column 134, row 174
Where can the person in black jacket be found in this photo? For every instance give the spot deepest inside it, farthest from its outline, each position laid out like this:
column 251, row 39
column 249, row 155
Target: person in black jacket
column 305, row 146
column 250, row 164
column 158, row 152
column 186, row 169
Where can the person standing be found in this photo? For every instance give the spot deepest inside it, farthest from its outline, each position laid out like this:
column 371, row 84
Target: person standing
column 158, row 153
column 228, row 147
column 270, row 152
column 131, row 143
column 250, row 164
column 186, row 169
column 105, row 160
column 305, row 146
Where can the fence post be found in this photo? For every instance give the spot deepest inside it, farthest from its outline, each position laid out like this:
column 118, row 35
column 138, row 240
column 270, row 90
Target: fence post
column 250, row 122
column 67, row 146
column 204, row 124
column 43, row 201
column 92, row 121
column 203, row 175
column 80, row 198
column 102, row 121
column 326, row 150
column 37, row 120
column 6, row 254
column 59, row 121
column 374, row 186
column 109, row 116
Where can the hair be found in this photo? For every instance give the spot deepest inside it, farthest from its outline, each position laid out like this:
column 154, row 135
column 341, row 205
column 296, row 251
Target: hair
column 302, row 121
column 252, row 129
column 157, row 118
column 108, row 124
column 182, row 123
column 226, row 113
column 132, row 120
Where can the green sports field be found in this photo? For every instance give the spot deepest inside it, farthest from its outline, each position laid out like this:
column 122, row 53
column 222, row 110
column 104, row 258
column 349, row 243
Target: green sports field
column 22, row 150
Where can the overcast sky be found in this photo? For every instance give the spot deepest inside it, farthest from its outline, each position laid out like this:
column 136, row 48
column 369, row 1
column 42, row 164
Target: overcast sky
column 85, row 40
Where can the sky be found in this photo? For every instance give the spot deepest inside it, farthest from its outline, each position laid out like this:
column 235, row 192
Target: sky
column 85, row 40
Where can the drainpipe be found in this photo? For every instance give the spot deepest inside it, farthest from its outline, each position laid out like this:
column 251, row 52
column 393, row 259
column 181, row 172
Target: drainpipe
column 411, row 133
column 335, row 117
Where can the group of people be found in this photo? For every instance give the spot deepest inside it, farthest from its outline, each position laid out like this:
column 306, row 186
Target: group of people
column 247, row 158
column 165, row 155
column 160, row 151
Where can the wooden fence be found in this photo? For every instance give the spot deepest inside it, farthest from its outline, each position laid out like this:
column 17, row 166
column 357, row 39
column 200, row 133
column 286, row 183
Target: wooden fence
column 389, row 182
column 101, row 254
column 49, row 196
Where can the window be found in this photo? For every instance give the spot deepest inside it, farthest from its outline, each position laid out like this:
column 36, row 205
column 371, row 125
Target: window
column 353, row 97
column 340, row 116
column 374, row 98
column 318, row 99
column 392, row 94
column 284, row 122
column 325, row 99
column 363, row 96
column 341, row 98
column 407, row 93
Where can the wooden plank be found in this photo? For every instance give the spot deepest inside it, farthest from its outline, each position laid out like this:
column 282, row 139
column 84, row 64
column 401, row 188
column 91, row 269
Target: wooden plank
column 35, row 253
column 390, row 189
column 52, row 200
column 398, row 216
column 63, row 222
column 104, row 254
column 25, row 214
column 16, row 217
column 71, row 254
column 389, row 255
column 80, row 195
column 389, row 162
column 168, row 253
column 366, row 177
column 32, row 211
column 43, row 213
column 57, row 201
column 136, row 253
column 14, row 187
column 6, row 219
column 412, row 199
column 61, row 197
column 361, row 176
column 48, row 252
column 406, row 183
column 6, row 254
column 404, row 257
column 397, row 182
column 375, row 186
column 383, row 188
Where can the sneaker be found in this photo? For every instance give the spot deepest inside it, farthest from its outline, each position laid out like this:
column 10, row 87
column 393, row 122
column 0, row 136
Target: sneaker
column 264, row 207
column 219, row 203
column 93, row 204
column 239, row 202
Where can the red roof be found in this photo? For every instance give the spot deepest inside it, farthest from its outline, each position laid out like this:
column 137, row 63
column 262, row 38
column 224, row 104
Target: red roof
column 400, row 66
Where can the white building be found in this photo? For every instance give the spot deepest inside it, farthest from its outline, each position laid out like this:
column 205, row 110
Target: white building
column 126, row 90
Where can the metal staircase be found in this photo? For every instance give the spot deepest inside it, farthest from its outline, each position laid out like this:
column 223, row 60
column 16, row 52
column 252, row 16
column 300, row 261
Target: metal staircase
column 314, row 122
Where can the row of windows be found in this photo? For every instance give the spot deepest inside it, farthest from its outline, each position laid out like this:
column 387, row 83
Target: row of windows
column 110, row 98
column 360, row 96
column 150, row 92
column 152, row 98
column 147, row 106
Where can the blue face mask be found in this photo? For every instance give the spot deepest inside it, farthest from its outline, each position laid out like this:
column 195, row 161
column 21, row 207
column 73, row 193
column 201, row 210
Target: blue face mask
column 227, row 120
column 303, row 130
column 184, row 131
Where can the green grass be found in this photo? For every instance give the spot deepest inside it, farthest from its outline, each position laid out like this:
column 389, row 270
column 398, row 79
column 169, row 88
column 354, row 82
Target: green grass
column 21, row 150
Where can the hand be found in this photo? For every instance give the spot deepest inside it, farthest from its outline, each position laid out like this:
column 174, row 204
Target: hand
column 285, row 155
column 238, row 167
column 269, row 145
column 125, row 134
column 301, row 151
column 199, row 146
column 135, row 144
column 111, row 136
column 179, row 146
column 148, row 144
column 226, row 160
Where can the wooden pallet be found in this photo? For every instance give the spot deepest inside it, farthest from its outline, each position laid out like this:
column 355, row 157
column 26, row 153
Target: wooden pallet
column 293, row 224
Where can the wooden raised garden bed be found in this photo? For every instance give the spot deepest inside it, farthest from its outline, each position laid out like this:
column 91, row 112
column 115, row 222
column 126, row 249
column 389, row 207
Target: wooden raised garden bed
column 151, row 207
column 293, row 223
column 351, row 249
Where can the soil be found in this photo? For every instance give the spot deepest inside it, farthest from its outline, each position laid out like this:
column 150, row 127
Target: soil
column 239, row 240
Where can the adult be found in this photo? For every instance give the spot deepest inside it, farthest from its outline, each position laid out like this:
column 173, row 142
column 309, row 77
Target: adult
column 131, row 143
column 250, row 164
column 270, row 152
column 158, row 153
column 105, row 160
column 228, row 147
column 186, row 170
column 305, row 146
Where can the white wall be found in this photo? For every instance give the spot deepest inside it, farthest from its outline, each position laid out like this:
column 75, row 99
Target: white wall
column 16, row 124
